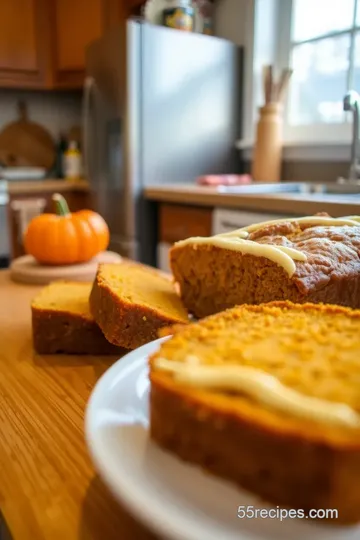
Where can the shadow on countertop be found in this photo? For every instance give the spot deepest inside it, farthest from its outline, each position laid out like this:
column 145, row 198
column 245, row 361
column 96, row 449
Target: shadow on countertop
column 103, row 517
column 4, row 530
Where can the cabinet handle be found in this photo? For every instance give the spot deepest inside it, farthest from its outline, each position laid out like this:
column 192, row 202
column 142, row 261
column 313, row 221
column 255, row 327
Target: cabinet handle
column 229, row 225
column 88, row 86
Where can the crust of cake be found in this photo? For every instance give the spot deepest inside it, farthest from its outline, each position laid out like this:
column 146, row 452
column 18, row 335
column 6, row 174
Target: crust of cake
column 289, row 467
column 287, row 461
column 56, row 332
column 212, row 279
column 125, row 323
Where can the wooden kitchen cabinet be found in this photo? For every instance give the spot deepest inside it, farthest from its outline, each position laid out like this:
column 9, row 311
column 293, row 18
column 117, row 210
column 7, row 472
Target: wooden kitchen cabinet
column 76, row 24
column 43, row 42
column 23, row 58
column 178, row 221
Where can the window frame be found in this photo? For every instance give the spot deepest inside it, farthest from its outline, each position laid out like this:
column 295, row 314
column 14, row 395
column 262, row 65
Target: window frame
column 329, row 133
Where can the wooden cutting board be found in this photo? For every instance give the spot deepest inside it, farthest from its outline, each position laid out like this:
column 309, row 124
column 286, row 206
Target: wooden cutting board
column 24, row 142
column 26, row 270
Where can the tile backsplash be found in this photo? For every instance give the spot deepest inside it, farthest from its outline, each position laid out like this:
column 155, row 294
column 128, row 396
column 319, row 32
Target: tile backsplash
column 314, row 171
column 308, row 171
column 56, row 111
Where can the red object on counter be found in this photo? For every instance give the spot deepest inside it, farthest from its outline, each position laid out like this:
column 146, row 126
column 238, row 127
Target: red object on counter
column 223, row 180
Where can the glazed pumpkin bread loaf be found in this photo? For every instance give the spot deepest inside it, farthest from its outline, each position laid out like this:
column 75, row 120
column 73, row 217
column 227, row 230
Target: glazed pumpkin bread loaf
column 62, row 322
column 267, row 397
column 311, row 259
column 131, row 301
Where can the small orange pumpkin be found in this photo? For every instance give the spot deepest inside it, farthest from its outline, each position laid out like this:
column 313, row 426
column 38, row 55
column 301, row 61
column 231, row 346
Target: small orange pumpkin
column 64, row 237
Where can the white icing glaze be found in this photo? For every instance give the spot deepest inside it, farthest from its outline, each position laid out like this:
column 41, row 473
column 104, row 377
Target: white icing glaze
column 263, row 387
column 281, row 255
column 191, row 359
column 352, row 218
column 238, row 233
column 310, row 220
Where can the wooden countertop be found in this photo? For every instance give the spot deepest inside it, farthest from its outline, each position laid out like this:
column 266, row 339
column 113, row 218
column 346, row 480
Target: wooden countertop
column 44, row 186
column 48, row 486
column 335, row 205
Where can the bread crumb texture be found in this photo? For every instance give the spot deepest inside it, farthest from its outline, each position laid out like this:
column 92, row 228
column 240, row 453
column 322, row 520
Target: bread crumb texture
column 143, row 286
column 313, row 349
column 65, row 297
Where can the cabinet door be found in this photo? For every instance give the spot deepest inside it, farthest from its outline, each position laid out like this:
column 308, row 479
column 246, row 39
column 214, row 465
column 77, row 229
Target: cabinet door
column 76, row 24
column 43, row 42
column 115, row 11
column 23, row 29
column 177, row 222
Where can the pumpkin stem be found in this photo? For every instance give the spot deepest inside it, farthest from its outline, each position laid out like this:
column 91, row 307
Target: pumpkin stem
column 61, row 206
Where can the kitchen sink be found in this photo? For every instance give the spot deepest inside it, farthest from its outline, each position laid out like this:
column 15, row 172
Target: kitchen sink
column 303, row 188
column 281, row 187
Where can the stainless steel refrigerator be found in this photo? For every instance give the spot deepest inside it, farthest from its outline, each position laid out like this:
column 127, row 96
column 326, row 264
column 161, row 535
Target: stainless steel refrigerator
column 161, row 106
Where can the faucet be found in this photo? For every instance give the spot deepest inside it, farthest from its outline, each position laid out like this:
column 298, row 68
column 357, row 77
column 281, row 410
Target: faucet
column 351, row 103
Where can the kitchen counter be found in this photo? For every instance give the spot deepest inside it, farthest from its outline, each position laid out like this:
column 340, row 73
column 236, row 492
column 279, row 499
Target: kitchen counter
column 46, row 186
column 335, row 205
column 49, row 489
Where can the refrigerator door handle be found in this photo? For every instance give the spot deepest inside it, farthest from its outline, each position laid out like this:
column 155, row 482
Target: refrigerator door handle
column 89, row 84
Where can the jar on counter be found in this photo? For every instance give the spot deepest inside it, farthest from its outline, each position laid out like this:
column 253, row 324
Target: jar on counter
column 179, row 15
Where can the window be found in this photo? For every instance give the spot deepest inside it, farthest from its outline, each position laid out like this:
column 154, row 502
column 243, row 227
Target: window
column 320, row 40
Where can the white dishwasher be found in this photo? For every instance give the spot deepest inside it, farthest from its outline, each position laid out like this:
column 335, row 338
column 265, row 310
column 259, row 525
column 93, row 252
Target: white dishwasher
column 225, row 220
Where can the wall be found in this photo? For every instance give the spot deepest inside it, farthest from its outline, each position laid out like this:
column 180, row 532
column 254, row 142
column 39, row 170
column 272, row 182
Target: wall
column 314, row 171
column 231, row 19
column 308, row 171
column 56, row 111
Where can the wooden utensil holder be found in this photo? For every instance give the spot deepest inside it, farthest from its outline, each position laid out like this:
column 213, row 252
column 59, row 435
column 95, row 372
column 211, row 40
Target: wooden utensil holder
column 266, row 164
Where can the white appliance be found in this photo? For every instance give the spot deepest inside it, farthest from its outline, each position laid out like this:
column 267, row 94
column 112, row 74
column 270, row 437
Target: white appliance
column 160, row 107
column 162, row 256
column 225, row 220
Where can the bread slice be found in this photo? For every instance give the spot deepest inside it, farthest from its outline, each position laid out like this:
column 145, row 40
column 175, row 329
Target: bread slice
column 131, row 302
column 62, row 322
column 312, row 259
column 270, row 436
